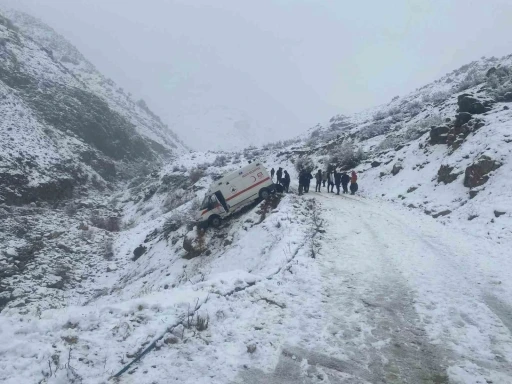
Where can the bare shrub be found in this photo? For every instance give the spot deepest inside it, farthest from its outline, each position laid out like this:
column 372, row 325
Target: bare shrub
column 220, row 161
column 380, row 115
column 196, row 174
column 202, row 322
column 388, row 143
column 439, row 96
column 372, row 130
column 413, row 108
column 177, row 199
column 473, row 78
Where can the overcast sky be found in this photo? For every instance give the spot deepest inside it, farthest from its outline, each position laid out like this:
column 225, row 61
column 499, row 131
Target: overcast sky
column 286, row 63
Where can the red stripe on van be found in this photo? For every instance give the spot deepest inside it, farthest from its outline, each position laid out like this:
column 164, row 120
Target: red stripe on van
column 246, row 189
column 239, row 193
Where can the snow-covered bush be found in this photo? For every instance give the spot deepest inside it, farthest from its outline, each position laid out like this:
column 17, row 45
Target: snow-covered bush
column 380, row 115
column 413, row 108
column 195, row 175
column 372, row 130
column 436, row 97
column 304, row 162
column 473, row 78
column 389, row 142
column 499, row 82
column 220, row 161
column 418, row 129
column 346, row 156
column 176, row 199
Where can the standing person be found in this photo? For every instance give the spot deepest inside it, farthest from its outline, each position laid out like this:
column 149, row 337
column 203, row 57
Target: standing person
column 353, row 183
column 344, row 181
column 330, row 182
column 318, row 177
column 324, row 178
column 337, row 181
column 286, row 181
column 301, row 181
column 307, row 180
column 272, row 173
column 279, row 175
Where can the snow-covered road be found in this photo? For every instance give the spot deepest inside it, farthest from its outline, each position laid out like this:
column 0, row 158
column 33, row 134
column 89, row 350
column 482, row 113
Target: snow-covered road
column 404, row 300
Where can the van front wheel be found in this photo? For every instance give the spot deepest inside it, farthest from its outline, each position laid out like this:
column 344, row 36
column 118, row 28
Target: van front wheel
column 215, row 221
column 264, row 193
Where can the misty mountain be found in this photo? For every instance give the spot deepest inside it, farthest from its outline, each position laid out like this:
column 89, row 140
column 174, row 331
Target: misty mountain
column 105, row 274
column 63, row 123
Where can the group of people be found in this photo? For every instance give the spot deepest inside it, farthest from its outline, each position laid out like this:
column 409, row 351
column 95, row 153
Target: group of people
column 336, row 179
column 283, row 178
column 333, row 178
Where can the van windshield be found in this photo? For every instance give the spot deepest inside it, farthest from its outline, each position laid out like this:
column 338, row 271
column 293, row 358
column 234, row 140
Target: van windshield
column 205, row 202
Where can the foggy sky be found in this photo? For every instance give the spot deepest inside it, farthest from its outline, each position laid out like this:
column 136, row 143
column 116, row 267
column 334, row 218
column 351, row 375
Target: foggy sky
column 290, row 64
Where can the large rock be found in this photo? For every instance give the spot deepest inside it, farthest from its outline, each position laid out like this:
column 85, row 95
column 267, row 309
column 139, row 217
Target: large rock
column 508, row 97
column 397, row 167
column 469, row 103
column 438, row 135
column 477, row 173
column 445, row 175
column 462, row 118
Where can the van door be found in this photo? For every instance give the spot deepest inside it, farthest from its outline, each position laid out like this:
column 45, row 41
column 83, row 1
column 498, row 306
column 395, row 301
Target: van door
column 222, row 200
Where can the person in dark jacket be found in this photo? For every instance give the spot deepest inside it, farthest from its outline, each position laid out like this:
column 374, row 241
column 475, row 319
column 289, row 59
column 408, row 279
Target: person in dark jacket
column 324, row 178
column 345, row 179
column 279, row 175
column 286, row 181
column 337, row 181
column 330, row 182
column 272, row 173
column 353, row 183
column 307, row 181
column 318, row 177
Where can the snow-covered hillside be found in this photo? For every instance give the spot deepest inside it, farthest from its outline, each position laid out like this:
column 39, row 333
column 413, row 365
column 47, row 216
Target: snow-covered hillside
column 110, row 280
column 145, row 122
column 444, row 149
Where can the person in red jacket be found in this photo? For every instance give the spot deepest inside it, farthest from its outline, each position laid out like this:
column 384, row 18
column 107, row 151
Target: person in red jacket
column 353, row 183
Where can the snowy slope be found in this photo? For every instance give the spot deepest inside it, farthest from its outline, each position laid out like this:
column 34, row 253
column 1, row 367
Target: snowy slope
column 403, row 164
column 146, row 122
column 314, row 289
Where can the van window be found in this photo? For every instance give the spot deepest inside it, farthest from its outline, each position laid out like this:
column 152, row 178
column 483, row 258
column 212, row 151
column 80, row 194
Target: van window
column 204, row 204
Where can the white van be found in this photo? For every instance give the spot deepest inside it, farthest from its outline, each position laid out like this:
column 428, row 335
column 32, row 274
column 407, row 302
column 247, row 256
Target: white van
column 233, row 191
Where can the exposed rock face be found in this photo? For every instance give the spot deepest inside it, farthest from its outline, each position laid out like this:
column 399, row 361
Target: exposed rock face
column 462, row 118
column 477, row 173
column 445, row 175
column 439, row 135
column 469, row 103
column 375, row 164
column 397, row 168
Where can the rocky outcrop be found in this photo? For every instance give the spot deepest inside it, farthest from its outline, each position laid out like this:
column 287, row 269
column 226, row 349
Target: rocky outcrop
column 477, row 174
column 462, row 118
column 445, row 175
column 397, row 167
column 469, row 103
column 439, row 135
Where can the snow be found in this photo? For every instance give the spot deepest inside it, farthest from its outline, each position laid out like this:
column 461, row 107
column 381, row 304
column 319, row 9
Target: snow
column 316, row 289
